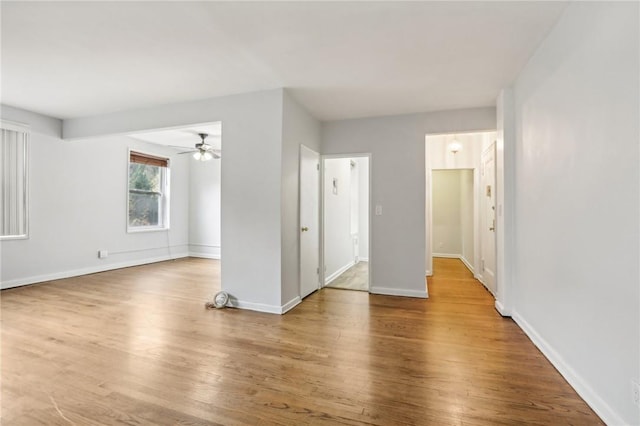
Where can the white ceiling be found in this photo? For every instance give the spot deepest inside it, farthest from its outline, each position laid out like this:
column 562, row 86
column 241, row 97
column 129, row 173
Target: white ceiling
column 340, row 59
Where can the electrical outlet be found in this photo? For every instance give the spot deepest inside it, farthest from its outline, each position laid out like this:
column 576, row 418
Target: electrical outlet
column 636, row 392
column 103, row 254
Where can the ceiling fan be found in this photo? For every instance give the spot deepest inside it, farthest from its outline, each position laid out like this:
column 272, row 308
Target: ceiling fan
column 203, row 151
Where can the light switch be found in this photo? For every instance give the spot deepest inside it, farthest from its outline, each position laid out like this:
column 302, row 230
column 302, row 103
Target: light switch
column 378, row 210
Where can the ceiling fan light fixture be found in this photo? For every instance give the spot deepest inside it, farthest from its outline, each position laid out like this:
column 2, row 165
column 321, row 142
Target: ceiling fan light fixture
column 206, row 156
column 197, row 155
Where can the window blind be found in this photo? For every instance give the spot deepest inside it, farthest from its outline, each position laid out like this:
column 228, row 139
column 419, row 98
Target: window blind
column 14, row 177
column 140, row 158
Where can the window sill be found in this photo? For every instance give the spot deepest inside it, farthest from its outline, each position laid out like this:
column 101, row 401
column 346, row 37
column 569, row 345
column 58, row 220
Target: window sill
column 145, row 229
column 14, row 237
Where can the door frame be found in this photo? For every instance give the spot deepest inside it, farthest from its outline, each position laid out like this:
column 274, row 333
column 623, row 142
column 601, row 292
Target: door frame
column 322, row 225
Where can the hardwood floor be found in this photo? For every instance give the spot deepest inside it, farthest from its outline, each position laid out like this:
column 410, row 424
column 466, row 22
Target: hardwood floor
column 137, row 346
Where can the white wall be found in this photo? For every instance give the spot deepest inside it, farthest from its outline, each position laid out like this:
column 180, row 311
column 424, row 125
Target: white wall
column 338, row 246
column 398, row 185
column 577, row 203
column 298, row 127
column 447, row 215
column 204, row 208
column 252, row 177
column 78, row 205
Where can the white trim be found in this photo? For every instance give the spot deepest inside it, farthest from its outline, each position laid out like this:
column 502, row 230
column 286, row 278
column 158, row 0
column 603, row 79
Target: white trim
column 399, row 292
column 14, row 126
column 291, row 304
column 363, row 259
column 339, row 272
column 263, row 307
column 501, row 309
column 467, row 264
column 85, row 271
column 205, row 255
column 447, row 255
column 586, row 392
column 428, row 273
column 258, row 307
column 205, row 251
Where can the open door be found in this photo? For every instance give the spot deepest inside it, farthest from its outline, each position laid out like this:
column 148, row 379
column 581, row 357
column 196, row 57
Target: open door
column 309, row 221
column 488, row 215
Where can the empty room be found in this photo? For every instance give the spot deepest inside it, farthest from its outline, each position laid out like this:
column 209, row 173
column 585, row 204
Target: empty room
column 192, row 191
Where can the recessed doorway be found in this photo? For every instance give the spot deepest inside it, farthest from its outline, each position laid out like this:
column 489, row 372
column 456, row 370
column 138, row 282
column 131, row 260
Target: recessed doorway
column 345, row 200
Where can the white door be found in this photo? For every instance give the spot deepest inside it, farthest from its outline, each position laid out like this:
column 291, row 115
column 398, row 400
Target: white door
column 309, row 221
column 488, row 219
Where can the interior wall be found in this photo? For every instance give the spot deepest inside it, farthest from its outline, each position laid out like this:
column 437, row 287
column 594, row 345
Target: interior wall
column 204, row 208
column 577, row 203
column 298, row 127
column 398, row 186
column 253, row 177
column 447, row 214
column 338, row 246
column 78, row 205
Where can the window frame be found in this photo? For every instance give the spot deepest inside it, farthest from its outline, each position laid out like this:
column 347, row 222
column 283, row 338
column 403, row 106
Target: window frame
column 26, row 129
column 164, row 207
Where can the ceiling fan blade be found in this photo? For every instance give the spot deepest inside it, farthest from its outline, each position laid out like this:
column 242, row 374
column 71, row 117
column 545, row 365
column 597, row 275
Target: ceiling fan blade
column 188, row 152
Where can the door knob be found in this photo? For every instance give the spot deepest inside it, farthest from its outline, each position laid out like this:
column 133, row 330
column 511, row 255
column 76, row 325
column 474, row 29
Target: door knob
column 304, row 229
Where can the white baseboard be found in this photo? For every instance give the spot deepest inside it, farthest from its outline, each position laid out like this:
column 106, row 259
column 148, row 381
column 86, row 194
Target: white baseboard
column 446, row 255
column 337, row 273
column 399, row 292
column 204, row 255
column 89, row 270
column 263, row 307
column 204, row 251
column 467, row 264
column 363, row 259
column 291, row 304
column 501, row 309
column 586, row 392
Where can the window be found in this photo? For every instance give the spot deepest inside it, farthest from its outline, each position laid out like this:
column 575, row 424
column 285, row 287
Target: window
column 148, row 207
column 14, row 187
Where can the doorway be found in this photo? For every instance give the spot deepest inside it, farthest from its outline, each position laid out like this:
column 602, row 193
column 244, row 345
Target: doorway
column 471, row 152
column 452, row 193
column 345, row 201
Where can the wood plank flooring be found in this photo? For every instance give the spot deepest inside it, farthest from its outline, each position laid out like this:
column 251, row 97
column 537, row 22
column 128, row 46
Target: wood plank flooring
column 136, row 346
